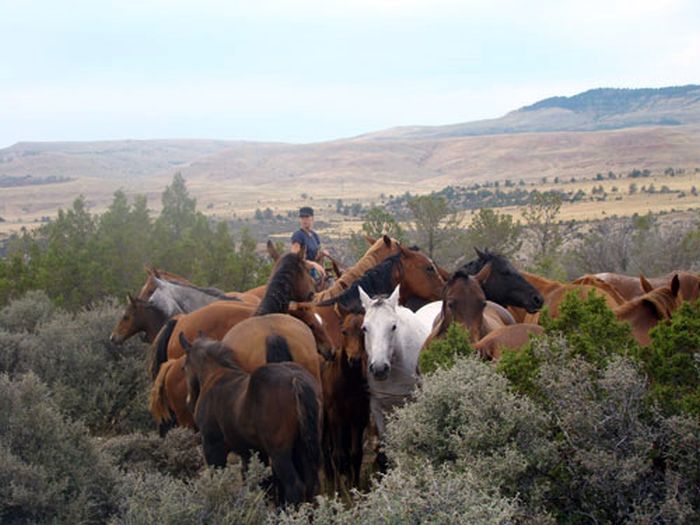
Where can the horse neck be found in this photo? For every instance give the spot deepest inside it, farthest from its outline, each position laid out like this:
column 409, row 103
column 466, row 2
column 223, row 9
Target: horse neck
column 542, row 284
column 153, row 322
column 210, row 372
column 275, row 301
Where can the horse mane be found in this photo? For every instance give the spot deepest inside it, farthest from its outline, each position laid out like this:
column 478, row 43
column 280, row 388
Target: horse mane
column 661, row 299
column 208, row 290
column 280, row 287
column 475, row 265
column 370, row 259
column 218, row 352
column 374, row 281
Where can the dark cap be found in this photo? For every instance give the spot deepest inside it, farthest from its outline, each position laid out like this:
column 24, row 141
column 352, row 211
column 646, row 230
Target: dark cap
column 306, row 211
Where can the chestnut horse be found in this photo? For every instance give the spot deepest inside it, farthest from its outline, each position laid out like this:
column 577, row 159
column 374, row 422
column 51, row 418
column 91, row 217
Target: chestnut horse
column 346, row 405
column 511, row 337
column 274, row 411
column 554, row 293
column 630, row 287
column 139, row 317
column 645, row 312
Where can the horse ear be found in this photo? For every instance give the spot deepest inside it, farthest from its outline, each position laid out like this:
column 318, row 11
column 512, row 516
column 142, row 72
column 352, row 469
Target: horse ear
column 387, row 240
column 479, row 253
column 394, row 297
column 370, row 240
column 184, row 343
column 646, row 285
column 483, row 274
column 130, row 298
column 675, row 285
column 272, row 250
column 302, row 253
column 364, row 298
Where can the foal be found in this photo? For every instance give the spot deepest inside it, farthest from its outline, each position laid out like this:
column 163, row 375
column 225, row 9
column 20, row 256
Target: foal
column 274, row 411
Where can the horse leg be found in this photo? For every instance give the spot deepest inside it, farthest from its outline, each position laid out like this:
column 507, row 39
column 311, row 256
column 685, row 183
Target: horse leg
column 381, row 461
column 356, row 453
column 214, row 448
column 291, row 487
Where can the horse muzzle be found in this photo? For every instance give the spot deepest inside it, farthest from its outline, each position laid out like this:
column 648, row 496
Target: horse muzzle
column 116, row 339
column 380, row 371
column 535, row 304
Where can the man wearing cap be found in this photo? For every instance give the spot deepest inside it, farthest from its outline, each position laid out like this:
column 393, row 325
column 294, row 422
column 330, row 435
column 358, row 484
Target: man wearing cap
column 306, row 237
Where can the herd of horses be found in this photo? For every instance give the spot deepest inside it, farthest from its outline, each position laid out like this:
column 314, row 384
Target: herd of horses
column 302, row 376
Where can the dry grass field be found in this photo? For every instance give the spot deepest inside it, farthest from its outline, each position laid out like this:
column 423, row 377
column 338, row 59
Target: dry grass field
column 236, row 178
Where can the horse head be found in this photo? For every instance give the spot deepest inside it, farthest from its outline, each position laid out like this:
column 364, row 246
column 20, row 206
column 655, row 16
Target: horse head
column 379, row 327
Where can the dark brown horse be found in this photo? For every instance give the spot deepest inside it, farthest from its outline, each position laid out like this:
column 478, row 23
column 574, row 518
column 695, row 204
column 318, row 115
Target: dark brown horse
column 346, row 406
column 274, row 411
column 645, row 312
column 139, row 317
column 464, row 301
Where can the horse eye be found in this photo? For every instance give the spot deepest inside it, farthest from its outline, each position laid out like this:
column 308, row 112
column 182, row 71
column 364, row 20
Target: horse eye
column 344, row 332
column 364, row 329
column 430, row 269
column 393, row 328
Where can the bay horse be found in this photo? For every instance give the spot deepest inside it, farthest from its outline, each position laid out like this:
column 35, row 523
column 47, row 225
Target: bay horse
column 140, row 316
column 463, row 301
column 630, row 287
column 289, row 281
column 645, row 312
column 274, row 411
column 346, row 405
column 393, row 339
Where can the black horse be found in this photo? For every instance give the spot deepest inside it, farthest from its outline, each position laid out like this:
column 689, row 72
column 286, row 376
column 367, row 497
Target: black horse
column 505, row 286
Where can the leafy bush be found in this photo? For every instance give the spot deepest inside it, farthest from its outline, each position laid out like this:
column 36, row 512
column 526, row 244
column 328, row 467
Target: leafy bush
column 442, row 353
column 217, row 496
column 50, row 469
column 14, row 348
column 585, row 328
column 672, row 361
column 430, row 495
column 91, row 379
column 177, row 454
column 467, row 418
column 26, row 312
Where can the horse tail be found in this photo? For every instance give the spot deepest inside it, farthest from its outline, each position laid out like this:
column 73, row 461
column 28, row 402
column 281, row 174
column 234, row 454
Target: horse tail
column 160, row 355
column 277, row 349
column 158, row 401
column 307, row 442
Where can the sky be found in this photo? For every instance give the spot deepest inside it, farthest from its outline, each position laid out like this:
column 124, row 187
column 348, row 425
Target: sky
column 311, row 70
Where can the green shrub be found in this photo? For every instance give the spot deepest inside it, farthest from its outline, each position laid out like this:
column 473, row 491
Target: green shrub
column 430, row 495
column 613, row 452
column 585, row 328
column 27, row 312
column 217, row 496
column 92, row 380
column 442, row 353
column 50, row 469
column 177, row 454
column 468, row 418
column 14, row 348
column 672, row 361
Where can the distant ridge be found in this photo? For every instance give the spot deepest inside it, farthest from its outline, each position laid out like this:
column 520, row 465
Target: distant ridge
column 593, row 110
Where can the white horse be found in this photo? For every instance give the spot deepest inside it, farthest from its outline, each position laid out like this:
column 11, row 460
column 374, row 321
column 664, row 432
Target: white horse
column 393, row 340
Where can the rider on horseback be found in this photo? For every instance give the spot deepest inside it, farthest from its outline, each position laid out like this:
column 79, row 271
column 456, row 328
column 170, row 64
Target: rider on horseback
column 306, row 237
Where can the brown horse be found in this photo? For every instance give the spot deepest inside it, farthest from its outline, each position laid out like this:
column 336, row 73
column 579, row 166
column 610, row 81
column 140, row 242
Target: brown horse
column 645, row 312
column 630, row 287
column 290, row 281
column 417, row 274
column 139, row 317
column 464, row 301
column 346, row 405
column 511, row 337
column 554, row 293
column 274, row 411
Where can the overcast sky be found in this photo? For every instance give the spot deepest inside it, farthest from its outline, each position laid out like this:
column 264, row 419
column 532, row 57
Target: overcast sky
column 309, row 70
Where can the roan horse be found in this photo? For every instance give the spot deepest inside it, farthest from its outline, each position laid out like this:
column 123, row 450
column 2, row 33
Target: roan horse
column 274, row 411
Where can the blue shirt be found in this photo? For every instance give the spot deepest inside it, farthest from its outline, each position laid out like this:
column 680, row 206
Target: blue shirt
column 310, row 241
